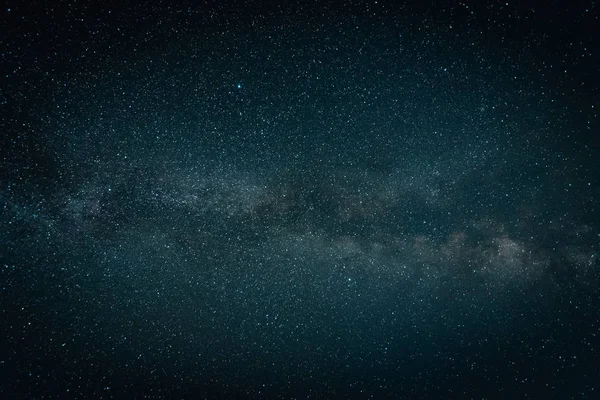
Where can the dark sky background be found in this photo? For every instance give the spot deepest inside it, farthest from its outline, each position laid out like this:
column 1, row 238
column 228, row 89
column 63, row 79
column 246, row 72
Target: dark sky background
column 298, row 199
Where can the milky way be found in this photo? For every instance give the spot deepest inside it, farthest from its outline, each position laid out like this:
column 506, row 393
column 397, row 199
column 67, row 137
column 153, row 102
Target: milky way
column 317, row 201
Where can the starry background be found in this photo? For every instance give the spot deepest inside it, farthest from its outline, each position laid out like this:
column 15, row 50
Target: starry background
column 299, row 199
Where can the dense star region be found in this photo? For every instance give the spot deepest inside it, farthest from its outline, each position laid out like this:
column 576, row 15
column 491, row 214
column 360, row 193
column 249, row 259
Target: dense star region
column 361, row 199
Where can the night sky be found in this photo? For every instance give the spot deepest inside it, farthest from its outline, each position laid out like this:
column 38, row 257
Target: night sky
column 300, row 199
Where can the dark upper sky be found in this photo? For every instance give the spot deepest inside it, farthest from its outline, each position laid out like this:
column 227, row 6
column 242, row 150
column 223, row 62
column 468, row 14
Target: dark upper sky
column 299, row 199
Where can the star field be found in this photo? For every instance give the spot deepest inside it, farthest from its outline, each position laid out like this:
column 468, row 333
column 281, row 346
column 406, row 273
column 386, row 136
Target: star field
column 356, row 199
